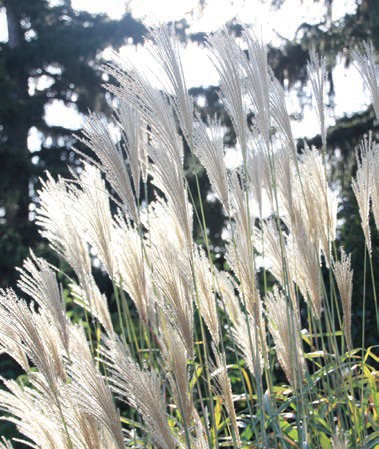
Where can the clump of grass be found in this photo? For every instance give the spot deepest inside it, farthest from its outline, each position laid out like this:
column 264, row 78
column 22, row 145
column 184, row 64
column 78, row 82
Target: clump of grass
column 215, row 359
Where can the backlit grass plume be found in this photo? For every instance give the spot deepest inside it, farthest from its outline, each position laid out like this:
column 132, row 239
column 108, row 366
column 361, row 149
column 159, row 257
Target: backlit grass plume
column 177, row 344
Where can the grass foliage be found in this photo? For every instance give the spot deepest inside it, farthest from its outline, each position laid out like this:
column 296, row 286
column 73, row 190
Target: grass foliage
column 254, row 354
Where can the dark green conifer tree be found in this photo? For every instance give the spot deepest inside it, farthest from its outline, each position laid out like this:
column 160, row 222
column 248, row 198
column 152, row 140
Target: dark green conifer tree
column 61, row 46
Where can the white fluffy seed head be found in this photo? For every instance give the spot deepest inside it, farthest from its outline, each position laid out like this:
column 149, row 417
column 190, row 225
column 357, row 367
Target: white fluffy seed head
column 344, row 278
column 362, row 184
column 317, row 75
column 364, row 60
column 284, row 328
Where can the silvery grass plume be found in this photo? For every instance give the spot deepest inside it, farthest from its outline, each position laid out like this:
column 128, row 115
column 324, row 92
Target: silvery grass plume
column 166, row 50
column 344, row 278
column 111, row 158
column 323, row 217
column 280, row 117
column 37, row 337
column 375, row 183
column 135, row 134
column 283, row 175
column 35, row 415
column 224, row 387
column 63, row 228
column 92, row 211
column 362, row 184
column 304, row 257
column 199, row 441
column 226, row 289
column 339, row 440
column 175, row 356
column 257, row 84
column 5, row 444
column 38, row 280
column 132, row 269
column 317, row 75
column 85, row 431
column 226, row 56
column 260, row 176
column 92, row 415
column 90, row 391
column 47, row 425
column 294, row 257
column 205, row 295
column 366, row 184
column 283, row 324
column 309, row 211
column 208, row 146
column 165, row 147
column 247, row 337
column 94, row 302
column 140, row 389
column 364, row 60
column 171, row 278
column 168, row 177
column 170, row 269
column 43, row 411
column 94, row 223
column 239, row 254
column 58, row 225
column 272, row 244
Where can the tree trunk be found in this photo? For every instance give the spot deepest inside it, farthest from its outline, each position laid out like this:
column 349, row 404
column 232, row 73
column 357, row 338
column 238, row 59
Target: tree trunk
column 15, row 35
column 16, row 154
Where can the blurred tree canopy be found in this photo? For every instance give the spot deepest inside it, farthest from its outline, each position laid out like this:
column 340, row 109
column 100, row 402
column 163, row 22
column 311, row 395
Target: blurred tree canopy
column 52, row 53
